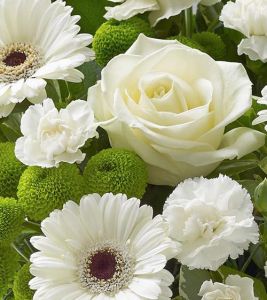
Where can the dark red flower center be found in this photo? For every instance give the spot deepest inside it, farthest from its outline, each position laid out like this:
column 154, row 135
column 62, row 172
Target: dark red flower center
column 103, row 265
column 15, row 58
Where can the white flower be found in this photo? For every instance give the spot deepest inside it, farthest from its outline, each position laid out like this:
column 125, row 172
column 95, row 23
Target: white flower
column 262, row 115
column 38, row 40
column 235, row 288
column 106, row 248
column 51, row 136
column 248, row 17
column 160, row 9
column 212, row 219
column 172, row 104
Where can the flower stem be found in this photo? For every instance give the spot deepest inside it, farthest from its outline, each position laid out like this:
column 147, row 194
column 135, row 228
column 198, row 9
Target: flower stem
column 253, row 252
column 57, row 90
column 32, row 225
column 189, row 22
column 20, row 252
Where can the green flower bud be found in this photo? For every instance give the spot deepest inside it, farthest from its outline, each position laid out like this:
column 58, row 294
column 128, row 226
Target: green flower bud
column 212, row 44
column 21, row 287
column 8, row 266
column 10, row 170
column 41, row 191
column 116, row 171
column 114, row 37
column 187, row 42
column 260, row 197
column 11, row 218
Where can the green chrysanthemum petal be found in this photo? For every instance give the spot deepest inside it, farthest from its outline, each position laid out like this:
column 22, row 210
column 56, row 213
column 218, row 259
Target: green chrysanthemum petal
column 8, row 266
column 116, row 171
column 212, row 44
column 114, row 37
column 40, row 190
column 10, row 170
column 11, row 218
column 21, row 287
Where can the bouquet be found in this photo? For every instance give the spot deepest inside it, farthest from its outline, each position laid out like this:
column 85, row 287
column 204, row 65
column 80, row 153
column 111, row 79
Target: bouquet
column 133, row 154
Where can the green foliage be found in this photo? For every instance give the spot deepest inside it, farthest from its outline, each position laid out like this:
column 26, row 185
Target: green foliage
column 116, row 171
column 91, row 12
column 11, row 218
column 114, row 37
column 40, row 191
column 21, row 287
column 261, row 197
column 8, row 266
column 212, row 44
column 10, row 170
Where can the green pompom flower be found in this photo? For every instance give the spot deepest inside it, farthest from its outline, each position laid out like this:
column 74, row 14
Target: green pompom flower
column 21, row 287
column 116, row 171
column 40, row 191
column 114, row 37
column 10, row 170
column 11, row 218
column 212, row 44
column 187, row 42
column 8, row 266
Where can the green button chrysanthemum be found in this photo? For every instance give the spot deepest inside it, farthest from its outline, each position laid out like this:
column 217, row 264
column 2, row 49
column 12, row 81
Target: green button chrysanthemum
column 114, row 37
column 11, row 218
column 116, row 171
column 10, row 170
column 8, row 267
column 21, row 287
column 40, row 190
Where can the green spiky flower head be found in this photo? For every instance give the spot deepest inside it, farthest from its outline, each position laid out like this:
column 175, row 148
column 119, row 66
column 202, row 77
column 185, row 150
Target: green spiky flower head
column 8, row 266
column 21, row 287
column 212, row 44
column 40, row 190
column 188, row 42
column 10, row 170
column 114, row 37
column 11, row 218
column 116, row 171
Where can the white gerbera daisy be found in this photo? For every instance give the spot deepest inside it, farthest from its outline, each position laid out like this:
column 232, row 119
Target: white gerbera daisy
column 106, row 248
column 212, row 219
column 38, row 40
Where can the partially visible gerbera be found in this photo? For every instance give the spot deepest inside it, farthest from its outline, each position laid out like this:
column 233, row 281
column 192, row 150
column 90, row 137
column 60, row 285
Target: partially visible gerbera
column 106, row 248
column 38, row 40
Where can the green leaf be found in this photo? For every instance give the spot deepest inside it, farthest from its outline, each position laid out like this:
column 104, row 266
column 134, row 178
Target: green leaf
column 191, row 281
column 259, row 288
column 10, row 128
column 91, row 11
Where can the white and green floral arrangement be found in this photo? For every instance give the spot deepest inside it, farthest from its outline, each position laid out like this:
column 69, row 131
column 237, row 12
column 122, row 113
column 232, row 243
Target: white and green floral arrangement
column 133, row 154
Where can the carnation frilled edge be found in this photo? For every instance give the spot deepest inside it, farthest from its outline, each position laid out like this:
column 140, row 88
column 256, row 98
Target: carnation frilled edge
column 39, row 40
column 119, row 253
column 212, row 219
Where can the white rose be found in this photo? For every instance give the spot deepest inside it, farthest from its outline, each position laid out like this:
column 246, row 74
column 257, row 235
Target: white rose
column 160, row 9
column 212, row 220
column 172, row 104
column 235, row 288
column 51, row 136
column 248, row 17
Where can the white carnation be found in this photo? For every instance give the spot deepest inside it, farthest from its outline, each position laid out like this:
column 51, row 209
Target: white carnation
column 235, row 288
column 262, row 115
column 212, row 219
column 160, row 9
column 249, row 18
column 51, row 136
